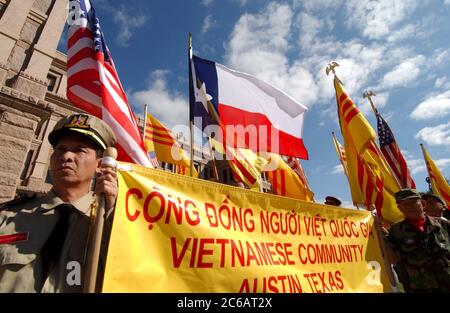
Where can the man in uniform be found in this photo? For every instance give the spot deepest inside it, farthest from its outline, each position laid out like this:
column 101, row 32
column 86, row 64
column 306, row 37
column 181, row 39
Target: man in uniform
column 421, row 245
column 43, row 240
column 330, row 200
column 433, row 205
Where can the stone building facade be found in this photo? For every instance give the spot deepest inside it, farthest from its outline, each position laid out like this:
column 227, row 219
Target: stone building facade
column 32, row 91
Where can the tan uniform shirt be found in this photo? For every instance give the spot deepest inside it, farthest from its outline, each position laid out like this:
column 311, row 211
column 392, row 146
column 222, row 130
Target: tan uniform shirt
column 29, row 225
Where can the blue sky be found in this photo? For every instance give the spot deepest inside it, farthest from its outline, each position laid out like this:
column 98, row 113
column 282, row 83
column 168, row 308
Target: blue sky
column 396, row 48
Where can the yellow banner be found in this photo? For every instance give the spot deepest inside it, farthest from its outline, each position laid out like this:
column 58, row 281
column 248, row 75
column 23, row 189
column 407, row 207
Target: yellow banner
column 174, row 233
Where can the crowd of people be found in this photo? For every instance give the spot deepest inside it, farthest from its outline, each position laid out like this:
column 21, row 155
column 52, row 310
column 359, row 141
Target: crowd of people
column 39, row 236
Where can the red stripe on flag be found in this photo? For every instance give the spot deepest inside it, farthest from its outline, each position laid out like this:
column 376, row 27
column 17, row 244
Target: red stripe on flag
column 158, row 134
column 284, row 144
column 84, row 53
column 282, row 183
column 351, row 115
column 13, row 238
column 84, row 105
column 156, row 127
column 82, row 77
column 346, row 106
column 275, row 186
column 244, row 171
column 77, row 35
column 159, row 141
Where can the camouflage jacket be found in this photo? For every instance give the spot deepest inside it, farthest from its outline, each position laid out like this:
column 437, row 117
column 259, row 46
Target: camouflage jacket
column 425, row 257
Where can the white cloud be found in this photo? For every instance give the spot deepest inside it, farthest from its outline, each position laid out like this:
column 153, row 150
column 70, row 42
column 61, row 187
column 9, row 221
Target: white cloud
column 433, row 107
column 404, row 73
column 128, row 22
column 435, row 136
column 258, row 45
column 208, row 22
column 310, row 27
column 206, row 2
column 442, row 82
column 416, row 166
column 170, row 108
column 317, row 5
column 405, row 32
column 338, row 169
column 376, row 19
column 442, row 163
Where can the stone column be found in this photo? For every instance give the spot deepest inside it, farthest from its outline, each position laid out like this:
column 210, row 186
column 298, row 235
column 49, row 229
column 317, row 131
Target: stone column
column 44, row 50
column 37, row 177
column 16, row 132
column 11, row 25
column 33, row 79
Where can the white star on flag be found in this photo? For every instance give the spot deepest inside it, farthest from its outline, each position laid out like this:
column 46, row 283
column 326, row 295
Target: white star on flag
column 202, row 96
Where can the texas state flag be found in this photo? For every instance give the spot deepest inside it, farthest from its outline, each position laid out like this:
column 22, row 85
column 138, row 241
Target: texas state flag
column 273, row 121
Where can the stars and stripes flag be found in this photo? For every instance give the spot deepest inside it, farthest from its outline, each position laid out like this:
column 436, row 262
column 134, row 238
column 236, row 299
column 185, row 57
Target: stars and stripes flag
column 296, row 166
column 340, row 150
column 392, row 153
column 93, row 84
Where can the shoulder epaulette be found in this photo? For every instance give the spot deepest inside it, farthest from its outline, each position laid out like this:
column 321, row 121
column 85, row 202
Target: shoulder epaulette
column 12, row 204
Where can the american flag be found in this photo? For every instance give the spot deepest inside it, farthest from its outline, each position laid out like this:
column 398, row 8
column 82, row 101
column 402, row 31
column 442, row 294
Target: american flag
column 392, row 154
column 93, row 83
column 298, row 169
column 340, row 150
column 153, row 159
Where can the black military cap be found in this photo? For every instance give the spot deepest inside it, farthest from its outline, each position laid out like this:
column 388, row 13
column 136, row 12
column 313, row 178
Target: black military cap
column 406, row 194
column 334, row 200
column 430, row 195
column 84, row 124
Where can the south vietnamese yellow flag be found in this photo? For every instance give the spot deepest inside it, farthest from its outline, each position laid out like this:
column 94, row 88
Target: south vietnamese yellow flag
column 439, row 185
column 285, row 181
column 159, row 139
column 371, row 181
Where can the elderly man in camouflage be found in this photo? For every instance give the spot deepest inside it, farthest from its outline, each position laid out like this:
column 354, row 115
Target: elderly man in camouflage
column 421, row 244
column 43, row 239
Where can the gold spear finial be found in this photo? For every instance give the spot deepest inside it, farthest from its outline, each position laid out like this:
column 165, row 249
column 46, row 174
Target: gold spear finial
column 330, row 68
column 369, row 94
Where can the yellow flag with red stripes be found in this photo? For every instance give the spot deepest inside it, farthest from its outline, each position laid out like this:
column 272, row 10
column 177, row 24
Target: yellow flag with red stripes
column 370, row 179
column 245, row 165
column 285, row 181
column 159, row 139
column 439, row 185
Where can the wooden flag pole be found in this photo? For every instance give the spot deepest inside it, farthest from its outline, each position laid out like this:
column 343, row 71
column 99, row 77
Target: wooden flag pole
column 385, row 252
column 96, row 234
column 213, row 160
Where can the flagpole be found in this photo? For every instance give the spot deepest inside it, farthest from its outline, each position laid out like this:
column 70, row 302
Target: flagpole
column 426, row 165
column 384, row 250
column 213, row 160
column 369, row 94
column 191, row 122
column 145, row 120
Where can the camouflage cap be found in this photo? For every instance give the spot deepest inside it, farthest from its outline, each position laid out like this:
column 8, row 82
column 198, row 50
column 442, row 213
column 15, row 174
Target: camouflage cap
column 84, row 124
column 430, row 195
column 406, row 194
